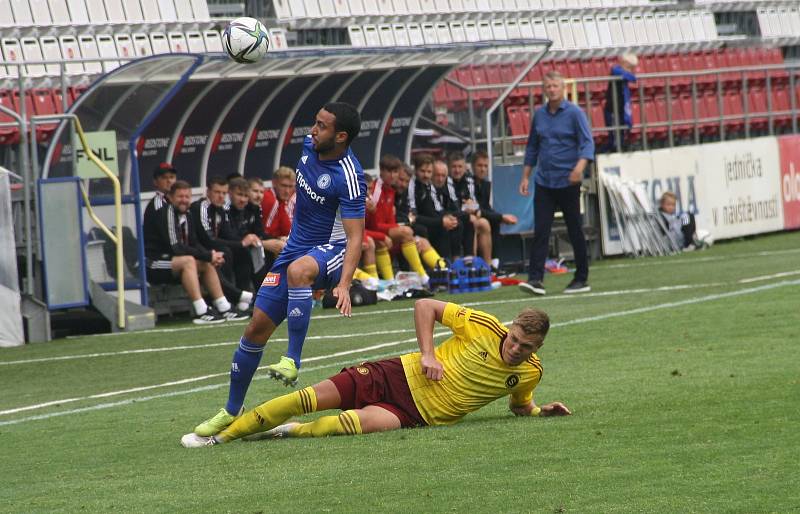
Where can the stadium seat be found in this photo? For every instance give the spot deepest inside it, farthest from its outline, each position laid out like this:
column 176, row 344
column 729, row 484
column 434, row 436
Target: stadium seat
column 385, row 35
column 371, row 36
column 781, row 107
column 32, row 51
column 70, row 50
column 732, row 103
column 597, row 119
column 150, row 13
column 115, row 11
column 158, row 40
column 200, row 10
column 519, row 118
column 22, row 12
column 757, row 110
column 89, row 50
column 51, row 52
column 212, row 40
column 709, row 113
column 357, row 38
column 400, row 34
column 96, row 12
column 471, row 31
column 8, row 135
column 429, row 33
column 124, row 46
column 107, row 49
column 457, row 32
column 6, row 20
column 177, row 43
column 133, row 11
column 194, row 41
column 183, row 10
column 141, row 45
column 59, row 12
column 415, row 37
column 77, row 12
column 167, row 10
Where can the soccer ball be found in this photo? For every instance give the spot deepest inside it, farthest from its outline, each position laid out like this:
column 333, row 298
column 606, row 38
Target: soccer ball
column 246, row 40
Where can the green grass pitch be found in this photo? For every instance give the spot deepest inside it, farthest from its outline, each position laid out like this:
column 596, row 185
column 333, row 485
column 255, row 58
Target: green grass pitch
column 683, row 375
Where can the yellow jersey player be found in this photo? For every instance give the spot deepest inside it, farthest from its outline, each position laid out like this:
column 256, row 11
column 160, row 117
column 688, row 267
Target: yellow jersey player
column 481, row 362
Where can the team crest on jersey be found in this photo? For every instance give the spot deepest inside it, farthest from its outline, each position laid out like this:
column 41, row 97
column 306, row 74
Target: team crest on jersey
column 512, row 380
column 271, row 280
column 363, row 370
column 484, row 355
column 324, row 181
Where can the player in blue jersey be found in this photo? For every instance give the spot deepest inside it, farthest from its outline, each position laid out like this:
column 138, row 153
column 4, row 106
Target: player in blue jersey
column 322, row 251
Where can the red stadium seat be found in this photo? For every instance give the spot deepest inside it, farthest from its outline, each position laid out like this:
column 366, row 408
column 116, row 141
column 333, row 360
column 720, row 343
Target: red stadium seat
column 709, row 110
column 598, row 125
column 732, row 103
column 8, row 135
column 519, row 118
column 781, row 105
column 757, row 109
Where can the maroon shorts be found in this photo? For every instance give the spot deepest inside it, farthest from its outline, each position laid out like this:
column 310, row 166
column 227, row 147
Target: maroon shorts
column 381, row 383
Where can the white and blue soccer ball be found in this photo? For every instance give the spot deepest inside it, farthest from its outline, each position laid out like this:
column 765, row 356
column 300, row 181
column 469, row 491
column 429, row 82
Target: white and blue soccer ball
column 246, row 40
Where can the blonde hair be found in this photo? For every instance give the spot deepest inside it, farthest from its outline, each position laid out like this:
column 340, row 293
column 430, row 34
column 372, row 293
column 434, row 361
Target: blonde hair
column 630, row 59
column 553, row 75
column 666, row 195
column 533, row 321
column 284, row 172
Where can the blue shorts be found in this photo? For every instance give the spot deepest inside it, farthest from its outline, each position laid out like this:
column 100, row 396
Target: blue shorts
column 273, row 295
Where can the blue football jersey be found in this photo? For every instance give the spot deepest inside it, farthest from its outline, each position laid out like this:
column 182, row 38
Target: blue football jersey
column 327, row 192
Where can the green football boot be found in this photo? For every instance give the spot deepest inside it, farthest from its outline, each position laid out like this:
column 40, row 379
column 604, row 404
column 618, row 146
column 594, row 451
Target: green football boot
column 217, row 424
column 284, row 371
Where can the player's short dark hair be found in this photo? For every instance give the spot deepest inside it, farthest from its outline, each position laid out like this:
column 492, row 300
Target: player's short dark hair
column 164, row 168
column 347, row 119
column 179, row 184
column 455, row 156
column 255, row 180
column 390, row 162
column 232, row 175
column 479, row 154
column 239, row 184
column 423, row 158
column 216, row 180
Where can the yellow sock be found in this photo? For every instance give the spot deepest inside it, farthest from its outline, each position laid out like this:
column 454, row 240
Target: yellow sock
column 346, row 423
column 411, row 254
column 371, row 270
column 362, row 275
column 430, row 257
column 384, row 262
column 271, row 414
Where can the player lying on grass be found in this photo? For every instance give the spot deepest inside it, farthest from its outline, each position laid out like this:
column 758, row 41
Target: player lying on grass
column 481, row 362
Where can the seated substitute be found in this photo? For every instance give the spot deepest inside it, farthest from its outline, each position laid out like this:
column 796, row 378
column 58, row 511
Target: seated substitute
column 465, row 245
column 382, row 217
column 174, row 256
column 483, row 192
column 461, row 186
column 163, row 177
column 481, row 362
column 272, row 244
column 213, row 231
column 277, row 206
column 425, row 204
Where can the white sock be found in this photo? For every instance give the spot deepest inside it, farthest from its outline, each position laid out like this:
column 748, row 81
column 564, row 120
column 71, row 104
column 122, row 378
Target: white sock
column 495, row 263
column 200, row 307
column 244, row 301
column 222, row 304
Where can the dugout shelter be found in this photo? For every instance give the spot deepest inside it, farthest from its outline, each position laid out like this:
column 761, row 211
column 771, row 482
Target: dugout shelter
column 210, row 116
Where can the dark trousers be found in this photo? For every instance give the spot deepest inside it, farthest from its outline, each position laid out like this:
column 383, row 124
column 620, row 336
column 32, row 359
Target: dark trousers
column 446, row 242
column 227, row 277
column 467, row 234
column 545, row 202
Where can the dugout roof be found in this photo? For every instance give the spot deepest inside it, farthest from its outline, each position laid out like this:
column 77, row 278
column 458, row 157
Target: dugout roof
column 209, row 115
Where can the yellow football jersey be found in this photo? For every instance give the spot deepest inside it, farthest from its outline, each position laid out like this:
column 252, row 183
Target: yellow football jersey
column 474, row 371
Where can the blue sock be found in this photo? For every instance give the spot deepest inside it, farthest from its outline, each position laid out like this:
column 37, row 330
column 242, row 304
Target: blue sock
column 243, row 367
column 298, row 315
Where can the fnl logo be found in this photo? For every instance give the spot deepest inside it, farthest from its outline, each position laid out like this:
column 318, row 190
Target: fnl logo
column 790, row 180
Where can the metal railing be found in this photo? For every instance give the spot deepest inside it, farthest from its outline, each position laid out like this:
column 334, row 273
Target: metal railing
column 672, row 85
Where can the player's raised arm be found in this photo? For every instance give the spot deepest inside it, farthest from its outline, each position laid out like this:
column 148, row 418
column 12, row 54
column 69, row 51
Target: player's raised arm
column 426, row 313
column 354, row 229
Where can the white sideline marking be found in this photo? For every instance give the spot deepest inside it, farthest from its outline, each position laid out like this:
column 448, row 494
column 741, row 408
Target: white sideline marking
column 187, row 347
column 660, row 262
column 676, row 287
column 130, row 401
column 767, row 277
column 589, row 319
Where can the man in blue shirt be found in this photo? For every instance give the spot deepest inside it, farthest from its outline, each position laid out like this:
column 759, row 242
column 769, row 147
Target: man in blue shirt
column 322, row 251
column 619, row 87
column 560, row 146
